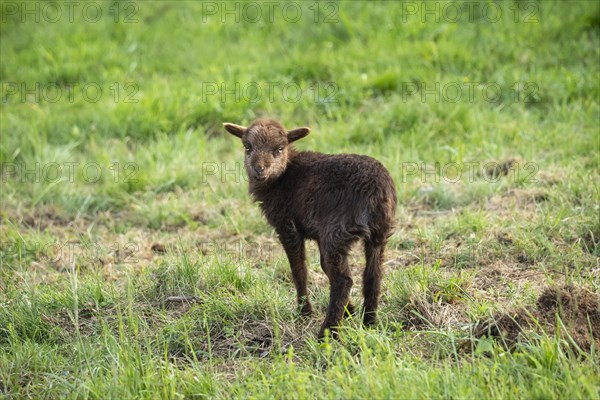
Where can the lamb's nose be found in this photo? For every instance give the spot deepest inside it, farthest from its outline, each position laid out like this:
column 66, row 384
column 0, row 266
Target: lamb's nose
column 259, row 168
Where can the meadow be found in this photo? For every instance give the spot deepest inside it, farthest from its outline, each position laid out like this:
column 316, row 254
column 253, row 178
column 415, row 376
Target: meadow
column 134, row 264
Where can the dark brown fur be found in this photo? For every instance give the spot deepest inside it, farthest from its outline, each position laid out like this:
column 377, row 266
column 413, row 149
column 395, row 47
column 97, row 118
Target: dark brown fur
column 332, row 199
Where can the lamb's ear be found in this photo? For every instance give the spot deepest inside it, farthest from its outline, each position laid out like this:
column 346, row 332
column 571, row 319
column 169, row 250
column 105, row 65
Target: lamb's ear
column 236, row 130
column 297, row 133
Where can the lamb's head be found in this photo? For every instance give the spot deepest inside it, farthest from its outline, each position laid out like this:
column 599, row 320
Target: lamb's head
column 266, row 145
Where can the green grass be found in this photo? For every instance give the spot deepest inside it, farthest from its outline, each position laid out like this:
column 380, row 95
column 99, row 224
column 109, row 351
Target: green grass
column 134, row 264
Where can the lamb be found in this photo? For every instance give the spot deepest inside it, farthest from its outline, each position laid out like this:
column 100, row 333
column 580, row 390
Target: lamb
column 335, row 200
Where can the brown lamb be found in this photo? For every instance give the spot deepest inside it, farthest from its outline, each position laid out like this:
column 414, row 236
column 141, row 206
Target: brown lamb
column 332, row 199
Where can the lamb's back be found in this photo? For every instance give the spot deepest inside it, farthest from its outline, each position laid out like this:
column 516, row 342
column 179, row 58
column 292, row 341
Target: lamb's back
column 352, row 174
column 344, row 190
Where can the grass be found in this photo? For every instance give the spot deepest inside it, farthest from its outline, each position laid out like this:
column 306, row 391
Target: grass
column 134, row 264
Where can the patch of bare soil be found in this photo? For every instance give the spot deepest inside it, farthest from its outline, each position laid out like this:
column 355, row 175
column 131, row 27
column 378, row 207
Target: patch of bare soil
column 253, row 338
column 179, row 305
column 570, row 310
column 494, row 281
column 523, row 200
column 56, row 242
column 40, row 218
column 423, row 313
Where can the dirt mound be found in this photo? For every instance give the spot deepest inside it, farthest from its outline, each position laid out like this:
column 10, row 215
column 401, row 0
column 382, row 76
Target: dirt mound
column 577, row 308
column 495, row 169
column 574, row 311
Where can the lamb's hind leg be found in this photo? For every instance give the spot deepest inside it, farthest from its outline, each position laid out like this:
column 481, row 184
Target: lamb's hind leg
column 350, row 309
column 293, row 244
column 335, row 264
column 372, row 279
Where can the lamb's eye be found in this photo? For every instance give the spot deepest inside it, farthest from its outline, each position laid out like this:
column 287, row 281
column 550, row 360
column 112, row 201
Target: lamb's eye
column 247, row 148
column 280, row 149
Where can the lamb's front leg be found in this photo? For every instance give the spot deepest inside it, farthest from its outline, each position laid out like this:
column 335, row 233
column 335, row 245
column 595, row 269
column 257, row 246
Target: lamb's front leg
column 293, row 244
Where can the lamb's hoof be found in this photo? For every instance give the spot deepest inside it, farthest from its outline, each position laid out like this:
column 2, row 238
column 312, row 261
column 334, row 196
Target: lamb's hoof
column 350, row 310
column 306, row 310
column 369, row 320
column 332, row 333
